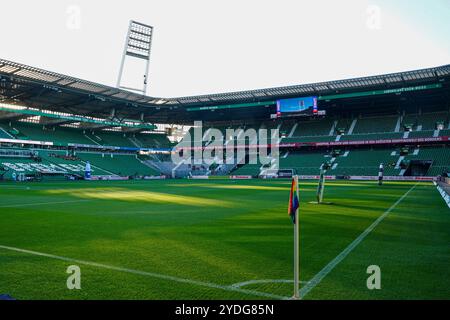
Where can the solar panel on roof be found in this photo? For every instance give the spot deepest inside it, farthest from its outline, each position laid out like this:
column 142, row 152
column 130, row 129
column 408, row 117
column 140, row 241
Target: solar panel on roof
column 8, row 69
column 36, row 75
column 86, row 87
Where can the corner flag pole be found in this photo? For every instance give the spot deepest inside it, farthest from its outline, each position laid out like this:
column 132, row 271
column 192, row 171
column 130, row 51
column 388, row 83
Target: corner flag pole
column 296, row 248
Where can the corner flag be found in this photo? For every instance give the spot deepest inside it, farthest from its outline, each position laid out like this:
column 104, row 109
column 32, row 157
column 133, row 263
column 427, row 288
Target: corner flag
column 293, row 200
column 294, row 204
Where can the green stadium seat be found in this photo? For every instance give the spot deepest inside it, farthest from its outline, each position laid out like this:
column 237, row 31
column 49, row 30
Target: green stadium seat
column 313, row 128
column 123, row 165
column 376, row 124
column 372, row 136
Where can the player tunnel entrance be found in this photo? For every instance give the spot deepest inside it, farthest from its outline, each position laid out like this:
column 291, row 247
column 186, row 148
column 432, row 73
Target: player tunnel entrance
column 418, row 168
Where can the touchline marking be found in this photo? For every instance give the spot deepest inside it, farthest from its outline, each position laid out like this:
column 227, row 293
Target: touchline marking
column 148, row 274
column 40, row 203
column 330, row 266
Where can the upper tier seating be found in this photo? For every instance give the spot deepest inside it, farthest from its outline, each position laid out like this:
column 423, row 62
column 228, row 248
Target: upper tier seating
column 63, row 136
column 58, row 135
column 376, row 124
column 343, row 124
column 110, row 138
column 271, row 125
column 313, row 128
column 426, row 120
column 4, row 134
column 421, row 134
column 147, row 140
column 372, row 136
column 309, row 139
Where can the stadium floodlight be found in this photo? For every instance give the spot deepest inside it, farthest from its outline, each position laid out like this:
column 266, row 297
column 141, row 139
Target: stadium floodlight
column 138, row 45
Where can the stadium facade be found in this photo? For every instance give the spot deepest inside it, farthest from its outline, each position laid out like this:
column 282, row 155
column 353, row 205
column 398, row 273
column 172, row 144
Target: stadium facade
column 51, row 125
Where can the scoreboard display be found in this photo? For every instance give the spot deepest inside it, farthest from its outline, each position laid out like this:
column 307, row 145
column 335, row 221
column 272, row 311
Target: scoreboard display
column 305, row 106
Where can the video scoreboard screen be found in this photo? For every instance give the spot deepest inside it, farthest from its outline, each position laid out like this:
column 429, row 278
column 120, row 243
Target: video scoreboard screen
column 305, row 106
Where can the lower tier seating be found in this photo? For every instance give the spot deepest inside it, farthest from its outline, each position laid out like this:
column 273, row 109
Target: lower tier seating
column 359, row 161
column 46, row 161
column 122, row 165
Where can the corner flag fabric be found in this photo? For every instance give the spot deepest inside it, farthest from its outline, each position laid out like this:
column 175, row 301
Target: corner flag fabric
column 293, row 201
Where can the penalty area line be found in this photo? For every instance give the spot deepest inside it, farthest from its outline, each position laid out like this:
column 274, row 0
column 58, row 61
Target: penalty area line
column 341, row 256
column 148, row 274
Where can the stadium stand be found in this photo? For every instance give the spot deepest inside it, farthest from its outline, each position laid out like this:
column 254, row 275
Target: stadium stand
column 421, row 134
column 313, row 128
column 309, row 139
column 305, row 163
column 355, row 114
column 426, row 121
column 4, row 134
column 58, row 135
column 361, row 162
column 148, row 140
column 356, row 162
column 122, row 165
column 39, row 161
column 248, row 170
column 375, row 124
column 107, row 138
column 440, row 158
column 342, row 125
column 64, row 136
column 372, row 136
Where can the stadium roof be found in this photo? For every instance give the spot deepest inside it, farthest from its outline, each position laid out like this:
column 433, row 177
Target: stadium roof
column 52, row 91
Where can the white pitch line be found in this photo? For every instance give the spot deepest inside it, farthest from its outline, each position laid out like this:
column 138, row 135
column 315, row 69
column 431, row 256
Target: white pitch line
column 341, row 256
column 148, row 274
column 40, row 203
column 250, row 282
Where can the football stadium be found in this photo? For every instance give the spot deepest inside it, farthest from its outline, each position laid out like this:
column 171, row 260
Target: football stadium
column 114, row 186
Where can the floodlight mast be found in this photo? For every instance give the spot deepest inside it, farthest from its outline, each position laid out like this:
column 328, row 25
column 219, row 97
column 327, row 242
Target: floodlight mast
column 138, row 44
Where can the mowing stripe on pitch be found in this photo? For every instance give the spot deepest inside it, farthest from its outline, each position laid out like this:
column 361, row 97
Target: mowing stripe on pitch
column 148, row 274
column 330, row 266
column 40, row 203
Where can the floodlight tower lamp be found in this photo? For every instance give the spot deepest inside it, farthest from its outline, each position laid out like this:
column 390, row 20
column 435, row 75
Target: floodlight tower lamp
column 138, row 44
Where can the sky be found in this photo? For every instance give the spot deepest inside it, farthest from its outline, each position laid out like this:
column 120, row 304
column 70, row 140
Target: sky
column 211, row 46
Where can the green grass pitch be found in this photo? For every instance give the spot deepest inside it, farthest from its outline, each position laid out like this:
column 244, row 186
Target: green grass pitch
column 220, row 239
